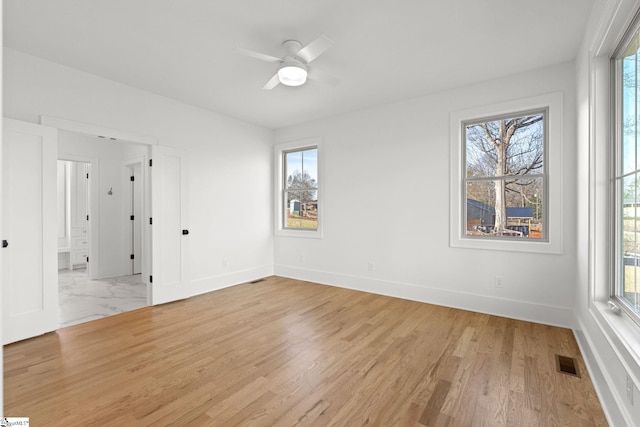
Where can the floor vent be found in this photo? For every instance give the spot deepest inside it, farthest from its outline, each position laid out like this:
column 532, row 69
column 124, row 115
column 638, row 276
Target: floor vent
column 257, row 281
column 567, row 365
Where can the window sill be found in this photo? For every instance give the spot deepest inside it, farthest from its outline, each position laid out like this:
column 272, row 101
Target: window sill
column 532, row 246
column 623, row 334
column 312, row 234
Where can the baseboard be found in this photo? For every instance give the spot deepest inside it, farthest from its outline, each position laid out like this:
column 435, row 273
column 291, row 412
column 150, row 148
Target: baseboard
column 514, row 309
column 213, row 283
column 608, row 396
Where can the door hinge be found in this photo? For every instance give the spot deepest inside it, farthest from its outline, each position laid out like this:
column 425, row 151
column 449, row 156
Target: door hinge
column 150, row 221
column 150, row 279
column 132, row 256
column 87, row 259
column 87, row 176
column 87, row 217
column 150, row 162
column 5, row 243
column 131, row 217
column 133, row 178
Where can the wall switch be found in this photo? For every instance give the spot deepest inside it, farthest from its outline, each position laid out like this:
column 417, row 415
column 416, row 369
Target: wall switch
column 630, row 390
column 371, row 266
column 498, row 282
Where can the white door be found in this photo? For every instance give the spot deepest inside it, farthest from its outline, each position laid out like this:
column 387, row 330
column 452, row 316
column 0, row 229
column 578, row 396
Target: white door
column 29, row 207
column 170, row 238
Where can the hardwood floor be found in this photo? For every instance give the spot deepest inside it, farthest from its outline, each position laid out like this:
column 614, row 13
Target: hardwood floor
column 284, row 352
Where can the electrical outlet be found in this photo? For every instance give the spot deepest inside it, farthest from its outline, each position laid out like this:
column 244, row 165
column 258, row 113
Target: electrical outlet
column 371, row 266
column 225, row 262
column 630, row 390
column 498, row 282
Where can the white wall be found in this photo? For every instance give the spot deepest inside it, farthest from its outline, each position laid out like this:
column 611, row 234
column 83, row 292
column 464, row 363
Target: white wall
column 608, row 358
column 230, row 161
column 386, row 195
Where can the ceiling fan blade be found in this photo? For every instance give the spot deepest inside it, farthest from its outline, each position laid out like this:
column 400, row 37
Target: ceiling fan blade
column 272, row 83
column 322, row 77
column 257, row 55
column 314, row 49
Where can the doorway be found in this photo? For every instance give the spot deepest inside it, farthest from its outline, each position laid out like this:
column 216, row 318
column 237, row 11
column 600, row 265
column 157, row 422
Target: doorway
column 98, row 273
column 73, row 213
column 29, row 220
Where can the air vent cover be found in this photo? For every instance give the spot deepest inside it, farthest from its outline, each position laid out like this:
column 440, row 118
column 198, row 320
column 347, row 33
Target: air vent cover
column 567, row 365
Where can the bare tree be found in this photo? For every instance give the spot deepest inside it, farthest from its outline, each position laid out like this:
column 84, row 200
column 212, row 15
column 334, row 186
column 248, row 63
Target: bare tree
column 509, row 149
column 301, row 186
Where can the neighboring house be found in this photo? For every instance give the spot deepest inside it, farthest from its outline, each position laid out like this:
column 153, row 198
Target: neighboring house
column 301, row 208
column 479, row 214
column 482, row 215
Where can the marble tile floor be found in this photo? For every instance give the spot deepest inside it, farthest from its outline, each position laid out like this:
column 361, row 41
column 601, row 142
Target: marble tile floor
column 82, row 300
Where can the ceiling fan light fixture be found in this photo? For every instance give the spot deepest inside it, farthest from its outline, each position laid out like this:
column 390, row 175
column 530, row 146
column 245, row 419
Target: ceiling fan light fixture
column 291, row 74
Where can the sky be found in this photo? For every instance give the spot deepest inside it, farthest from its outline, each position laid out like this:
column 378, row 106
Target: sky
column 306, row 160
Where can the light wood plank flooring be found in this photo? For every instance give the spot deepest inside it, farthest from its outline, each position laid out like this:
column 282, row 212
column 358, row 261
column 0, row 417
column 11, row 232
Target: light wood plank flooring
column 285, row 352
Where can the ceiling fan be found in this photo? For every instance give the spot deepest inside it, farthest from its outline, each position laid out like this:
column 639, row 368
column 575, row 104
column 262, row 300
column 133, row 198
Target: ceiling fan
column 294, row 65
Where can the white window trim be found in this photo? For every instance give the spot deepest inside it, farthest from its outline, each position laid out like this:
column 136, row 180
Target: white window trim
column 619, row 329
column 279, row 150
column 457, row 237
column 617, row 175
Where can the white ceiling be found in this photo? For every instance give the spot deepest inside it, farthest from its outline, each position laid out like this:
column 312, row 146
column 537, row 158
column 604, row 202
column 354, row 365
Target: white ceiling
column 385, row 50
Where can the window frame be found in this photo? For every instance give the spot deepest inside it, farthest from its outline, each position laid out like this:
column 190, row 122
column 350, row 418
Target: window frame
column 279, row 188
column 544, row 175
column 597, row 131
column 553, row 243
column 618, row 174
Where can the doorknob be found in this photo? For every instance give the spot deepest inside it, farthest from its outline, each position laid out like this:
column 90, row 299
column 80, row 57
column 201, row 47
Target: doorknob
column 5, row 243
column 185, row 232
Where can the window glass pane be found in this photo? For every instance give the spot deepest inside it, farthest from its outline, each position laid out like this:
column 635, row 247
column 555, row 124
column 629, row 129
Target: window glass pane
column 629, row 115
column 310, row 166
column 525, row 154
column 512, row 149
column 630, row 241
column 300, row 189
column 301, row 209
column 631, row 276
column 523, row 212
column 509, row 146
column 293, row 167
column 481, row 151
column 301, row 169
column 633, row 113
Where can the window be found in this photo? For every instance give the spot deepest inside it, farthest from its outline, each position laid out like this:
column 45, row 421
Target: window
column 298, row 183
column 626, row 64
column 301, row 189
column 504, row 177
